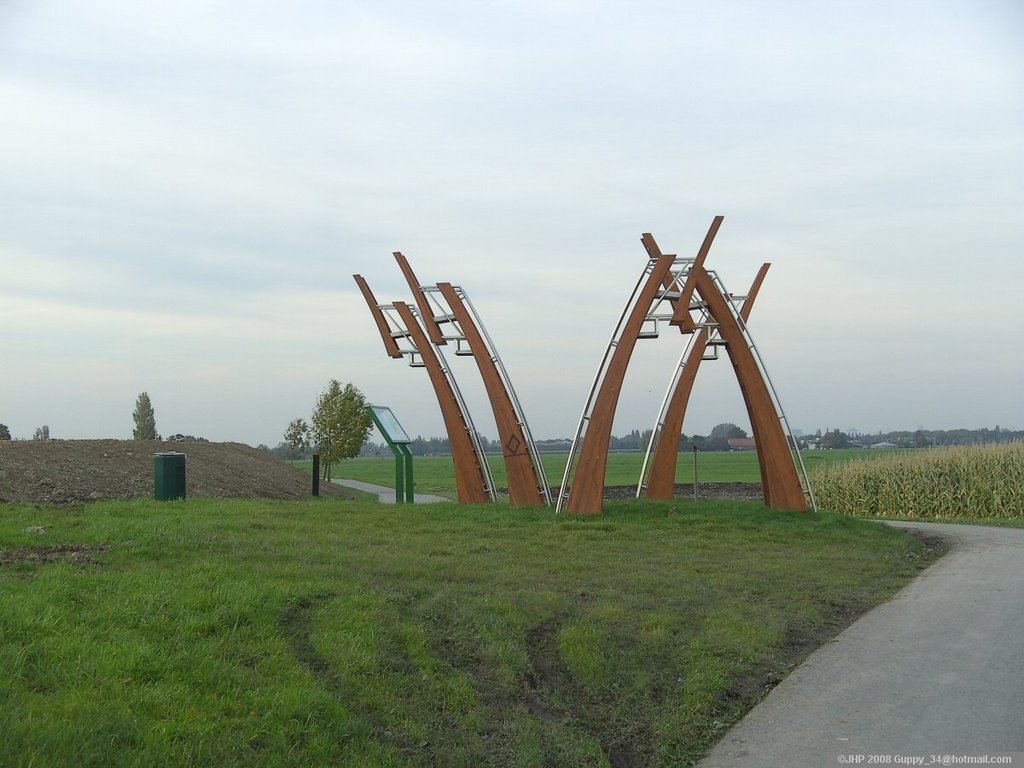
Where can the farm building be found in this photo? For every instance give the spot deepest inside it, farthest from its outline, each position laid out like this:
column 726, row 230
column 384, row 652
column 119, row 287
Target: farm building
column 742, row 444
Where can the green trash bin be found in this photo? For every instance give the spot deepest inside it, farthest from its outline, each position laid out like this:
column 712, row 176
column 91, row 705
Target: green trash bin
column 168, row 476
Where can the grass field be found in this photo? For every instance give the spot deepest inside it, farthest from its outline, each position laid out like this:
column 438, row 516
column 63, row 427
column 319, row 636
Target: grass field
column 435, row 474
column 259, row 633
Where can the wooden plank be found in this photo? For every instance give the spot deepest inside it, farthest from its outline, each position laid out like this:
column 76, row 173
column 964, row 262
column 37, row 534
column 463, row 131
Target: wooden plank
column 390, row 345
column 426, row 313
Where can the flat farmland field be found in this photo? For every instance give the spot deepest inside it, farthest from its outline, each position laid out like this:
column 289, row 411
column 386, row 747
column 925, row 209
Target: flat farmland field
column 435, row 474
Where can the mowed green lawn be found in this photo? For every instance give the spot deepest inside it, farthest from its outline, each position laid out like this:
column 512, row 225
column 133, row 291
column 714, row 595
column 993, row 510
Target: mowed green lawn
column 342, row 633
column 435, row 474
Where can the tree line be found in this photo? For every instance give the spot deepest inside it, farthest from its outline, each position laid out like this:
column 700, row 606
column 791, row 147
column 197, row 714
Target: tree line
column 340, row 424
column 918, row 438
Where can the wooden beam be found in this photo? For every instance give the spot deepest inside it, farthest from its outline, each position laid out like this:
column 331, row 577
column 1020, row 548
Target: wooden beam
column 780, row 483
column 586, row 496
column 426, row 312
column 681, row 314
column 390, row 345
column 524, row 486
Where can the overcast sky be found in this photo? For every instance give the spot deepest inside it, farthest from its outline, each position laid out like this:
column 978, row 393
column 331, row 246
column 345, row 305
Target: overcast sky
column 187, row 188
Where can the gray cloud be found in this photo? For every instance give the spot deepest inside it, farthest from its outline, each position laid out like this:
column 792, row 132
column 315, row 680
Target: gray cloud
column 186, row 176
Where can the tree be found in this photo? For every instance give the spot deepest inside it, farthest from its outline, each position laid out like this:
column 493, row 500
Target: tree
column 5, row 432
column 340, row 425
column 42, row 433
column 297, row 437
column 145, row 420
column 727, row 431
column 835, row 439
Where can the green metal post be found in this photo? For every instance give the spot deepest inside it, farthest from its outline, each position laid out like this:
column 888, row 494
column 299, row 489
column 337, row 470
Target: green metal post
column 695, row 450
column 410, row 496
column 399, row 474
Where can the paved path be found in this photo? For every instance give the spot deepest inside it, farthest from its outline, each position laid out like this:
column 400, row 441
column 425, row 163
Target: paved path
column 387, row 495
column 937, row 669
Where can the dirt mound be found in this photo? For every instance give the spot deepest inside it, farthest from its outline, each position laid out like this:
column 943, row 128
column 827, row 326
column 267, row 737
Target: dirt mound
column 71, row 471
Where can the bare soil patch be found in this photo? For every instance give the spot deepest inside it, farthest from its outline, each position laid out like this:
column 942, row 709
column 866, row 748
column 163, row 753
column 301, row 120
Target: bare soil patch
column 71, row 553
column 75, row 471
column 705, row 491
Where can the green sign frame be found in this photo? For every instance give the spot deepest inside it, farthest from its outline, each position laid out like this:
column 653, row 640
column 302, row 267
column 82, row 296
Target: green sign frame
column 398, row 441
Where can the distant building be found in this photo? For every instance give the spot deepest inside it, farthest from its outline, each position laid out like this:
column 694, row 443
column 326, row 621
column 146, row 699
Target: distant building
column 884, row 444
column 742, row 444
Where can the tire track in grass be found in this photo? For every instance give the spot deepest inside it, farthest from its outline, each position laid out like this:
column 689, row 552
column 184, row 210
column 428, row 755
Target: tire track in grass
column 550, row 673
column 295, row 623
column 550, row 676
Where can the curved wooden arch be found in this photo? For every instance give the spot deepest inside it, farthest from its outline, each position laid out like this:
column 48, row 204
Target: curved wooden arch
column 524, row 485
column 780, row 483
column 586, row 494
column 469, row 475
column 470, row 480
column 661, row 483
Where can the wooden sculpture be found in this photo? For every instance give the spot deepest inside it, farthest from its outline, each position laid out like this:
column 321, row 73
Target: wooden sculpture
column 780, row 483
column 677, row 281
column 470, row 477
column 686, row 286
column 662, row 481
column 526, row 482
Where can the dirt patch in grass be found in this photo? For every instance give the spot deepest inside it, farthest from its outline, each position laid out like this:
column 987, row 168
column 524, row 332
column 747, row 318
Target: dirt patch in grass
column 75, row 471
column 705, row 491
column 69, row 553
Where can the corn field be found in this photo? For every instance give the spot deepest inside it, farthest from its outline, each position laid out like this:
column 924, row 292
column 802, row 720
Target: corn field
column 969, row 481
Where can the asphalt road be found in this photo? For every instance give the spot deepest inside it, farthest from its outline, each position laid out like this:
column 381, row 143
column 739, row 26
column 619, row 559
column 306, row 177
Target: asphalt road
column 939, row 669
